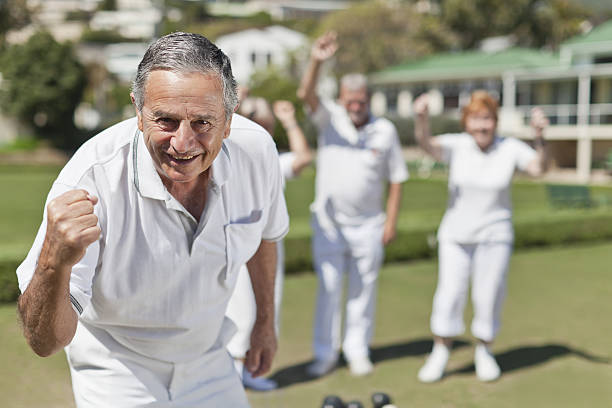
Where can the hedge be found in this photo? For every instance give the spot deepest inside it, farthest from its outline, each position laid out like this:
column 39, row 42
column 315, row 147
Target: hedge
column 412, row 244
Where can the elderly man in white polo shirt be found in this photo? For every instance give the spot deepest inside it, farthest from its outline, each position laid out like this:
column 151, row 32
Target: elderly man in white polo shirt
column 144, row 232
column 357, row 155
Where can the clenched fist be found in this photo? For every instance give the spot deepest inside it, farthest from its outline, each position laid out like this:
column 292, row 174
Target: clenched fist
column 71, row 227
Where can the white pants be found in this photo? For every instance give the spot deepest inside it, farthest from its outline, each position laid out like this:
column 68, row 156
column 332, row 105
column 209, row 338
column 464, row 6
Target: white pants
column 106, row 374
column 358, row 251
column 487, row 265
column 242, row 308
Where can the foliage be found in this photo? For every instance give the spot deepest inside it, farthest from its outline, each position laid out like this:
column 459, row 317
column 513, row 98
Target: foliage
column 107, row 5
column 439, row 125
column 272, row 85
column 534, row 23
column 44, row 84
column 191, row 11
column 79, row 15
column 104, row 37
column 212, row 28
column 14, row 14
column 9, row 289
column 376, row 34
column 412, row 244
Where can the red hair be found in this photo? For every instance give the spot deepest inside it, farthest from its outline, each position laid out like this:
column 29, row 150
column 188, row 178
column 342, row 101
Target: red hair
column 480, row 101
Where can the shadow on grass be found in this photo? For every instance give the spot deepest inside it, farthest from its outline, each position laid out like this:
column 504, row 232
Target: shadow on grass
column 296, row 374
column 523, row 357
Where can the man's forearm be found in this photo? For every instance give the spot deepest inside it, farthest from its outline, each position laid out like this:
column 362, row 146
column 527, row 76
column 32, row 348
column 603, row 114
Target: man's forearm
column 49, row 322
column 262, row 270
column 308, row 84
column 393, row 202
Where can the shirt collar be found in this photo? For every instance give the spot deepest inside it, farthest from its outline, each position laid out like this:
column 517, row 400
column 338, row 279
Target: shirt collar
column 492, row 147
column 147, row 180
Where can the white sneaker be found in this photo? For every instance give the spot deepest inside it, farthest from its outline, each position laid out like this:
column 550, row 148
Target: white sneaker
column 434, row 366
column 258, row 383
column 319, row 368
column 486, row 366
column 361, row 366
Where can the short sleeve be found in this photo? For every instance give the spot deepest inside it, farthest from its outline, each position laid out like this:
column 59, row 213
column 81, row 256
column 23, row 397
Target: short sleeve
column 82, row 273
column 323, row 115
column 524, row 154
column 448, row 143
column 286, row 165
column 398, row 172
column 277, row 224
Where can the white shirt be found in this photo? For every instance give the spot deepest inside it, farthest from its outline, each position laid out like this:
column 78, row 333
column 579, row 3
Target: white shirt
column 479, row 204
column 354, row 164
column 286, row 160
column 158, row 281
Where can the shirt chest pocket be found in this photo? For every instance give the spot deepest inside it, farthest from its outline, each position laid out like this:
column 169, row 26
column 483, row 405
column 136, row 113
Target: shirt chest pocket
column 373, row 157
column 242, row 241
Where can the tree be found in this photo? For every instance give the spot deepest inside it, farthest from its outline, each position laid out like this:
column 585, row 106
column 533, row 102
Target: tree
column 14, row 14
column 107, row 5
column 376, row 34
column 42, row 84
column 273, row 85
column 551, row 23
column 534, row 23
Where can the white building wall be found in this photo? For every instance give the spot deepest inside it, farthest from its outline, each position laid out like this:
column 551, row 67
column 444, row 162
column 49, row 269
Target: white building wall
column 255, row 49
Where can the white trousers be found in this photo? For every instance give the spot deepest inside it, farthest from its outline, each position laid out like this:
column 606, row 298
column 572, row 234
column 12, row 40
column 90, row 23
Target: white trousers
column 487, row 265
column 242, row 308
column 357, row 251
column 106, row 374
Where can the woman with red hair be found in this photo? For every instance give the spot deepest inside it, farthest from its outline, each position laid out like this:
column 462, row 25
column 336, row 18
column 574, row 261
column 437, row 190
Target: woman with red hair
column 476, row 235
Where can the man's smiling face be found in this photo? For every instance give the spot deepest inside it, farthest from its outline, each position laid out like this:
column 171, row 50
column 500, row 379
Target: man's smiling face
column 183, row 122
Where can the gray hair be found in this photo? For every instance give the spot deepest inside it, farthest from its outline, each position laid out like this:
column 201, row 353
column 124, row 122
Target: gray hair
column 354, row 82
column 186, row 53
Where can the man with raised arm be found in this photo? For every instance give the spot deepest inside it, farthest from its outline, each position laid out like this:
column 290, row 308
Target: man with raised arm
column 144, row 232
column 358, row 154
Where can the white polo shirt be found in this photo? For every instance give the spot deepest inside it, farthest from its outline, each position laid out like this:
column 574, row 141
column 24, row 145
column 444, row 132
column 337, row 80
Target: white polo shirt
column 158, row 281
column 479, row 185
column 286, row 160
column 354, row 164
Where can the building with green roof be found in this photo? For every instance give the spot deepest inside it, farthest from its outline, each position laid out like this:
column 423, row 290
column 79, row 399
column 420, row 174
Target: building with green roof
column 573, row 87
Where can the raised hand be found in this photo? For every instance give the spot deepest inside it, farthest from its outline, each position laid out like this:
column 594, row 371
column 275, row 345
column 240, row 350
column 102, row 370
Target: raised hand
column 71, row 227
column 539, row 121
column 324, row 47
column 285, row 112
column 420, row 106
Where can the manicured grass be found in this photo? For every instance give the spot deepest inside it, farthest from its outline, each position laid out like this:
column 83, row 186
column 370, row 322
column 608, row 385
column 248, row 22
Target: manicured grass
column 24, row 190
column 26, row 380
column 554, row 346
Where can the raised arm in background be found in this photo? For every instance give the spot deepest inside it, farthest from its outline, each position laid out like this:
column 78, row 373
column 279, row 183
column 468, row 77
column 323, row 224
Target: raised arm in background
column 422, row 131
column 323, row 48
column 285, row 113
column 538, row 122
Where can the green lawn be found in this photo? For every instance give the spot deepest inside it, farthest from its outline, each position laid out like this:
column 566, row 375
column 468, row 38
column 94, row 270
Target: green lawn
column 554, row 347
column 24, row 190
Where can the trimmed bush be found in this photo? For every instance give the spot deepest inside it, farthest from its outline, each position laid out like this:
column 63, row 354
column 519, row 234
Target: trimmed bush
column 9, row 290
column 420, row 244
column 412, row 244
